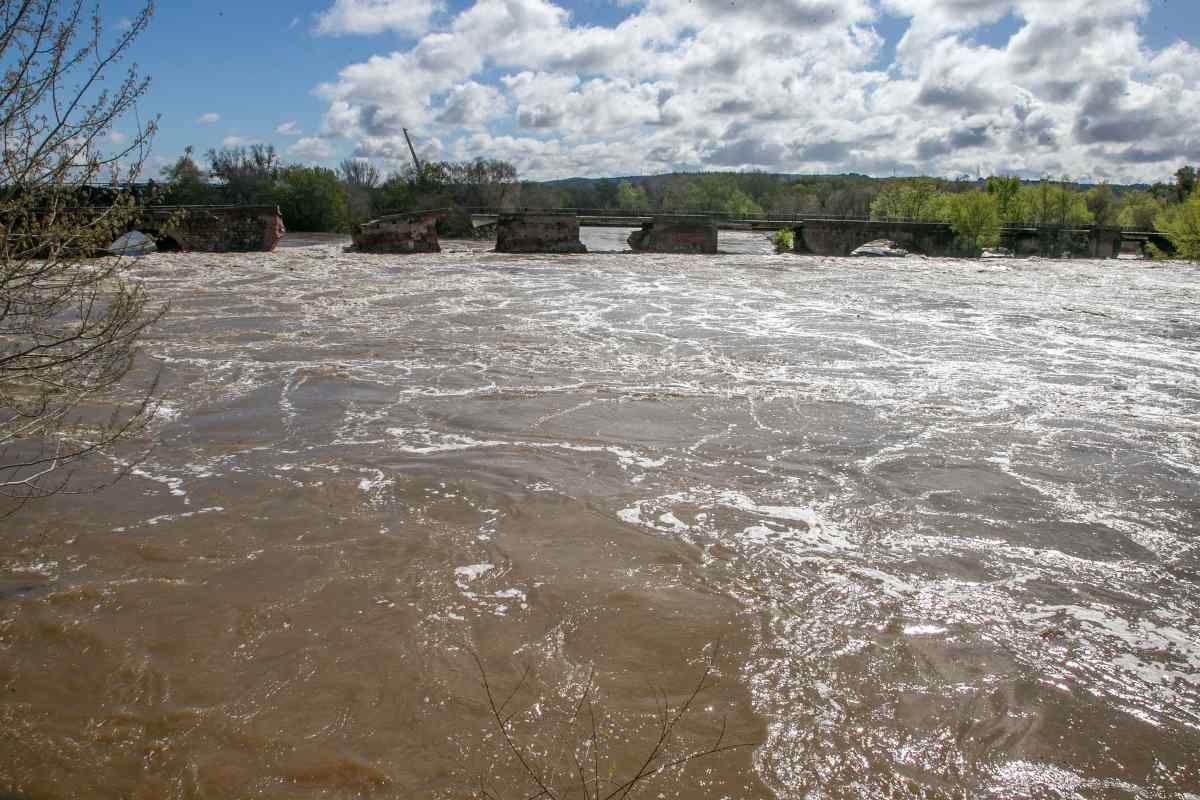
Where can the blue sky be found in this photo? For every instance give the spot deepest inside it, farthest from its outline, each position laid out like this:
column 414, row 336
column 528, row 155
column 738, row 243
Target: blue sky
column 600, row 87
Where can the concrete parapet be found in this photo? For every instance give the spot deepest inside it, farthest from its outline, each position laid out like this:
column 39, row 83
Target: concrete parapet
column 541, row 232
column 676, row 235
column 400, row 233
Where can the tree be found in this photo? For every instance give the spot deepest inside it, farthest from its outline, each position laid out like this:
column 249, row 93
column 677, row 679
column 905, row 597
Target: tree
column 606, row 193
column 359, row 172
column 1102, row 205
column 489, row 183
column 396, row 194
column 1185, row 182
column 186, row 184
column 909, row 199
column 630, row 197
column 248, row 175
column 740, row 204
column 69, row 327
column 1006, row 190
column 1138, row 211
column 1181, row 224
column 311, row 199
column 975, row 218
column 359, row 179
column 1050, row 203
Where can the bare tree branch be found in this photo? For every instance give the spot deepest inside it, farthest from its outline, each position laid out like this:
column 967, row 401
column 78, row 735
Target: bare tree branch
column 70, row 324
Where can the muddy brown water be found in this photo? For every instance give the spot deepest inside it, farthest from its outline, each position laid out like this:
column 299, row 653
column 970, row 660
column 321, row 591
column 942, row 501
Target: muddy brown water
column 940, row 515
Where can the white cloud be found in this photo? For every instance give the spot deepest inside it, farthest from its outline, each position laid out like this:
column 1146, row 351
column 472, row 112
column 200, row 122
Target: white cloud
column 233, row 140
column 311, row 148
column 471, row 105
column 209, row 118
column 347, row 17
column 783, row 85
column 291, row 128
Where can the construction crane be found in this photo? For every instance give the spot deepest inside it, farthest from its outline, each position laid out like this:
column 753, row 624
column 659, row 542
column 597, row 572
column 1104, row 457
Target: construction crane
column 416, row 160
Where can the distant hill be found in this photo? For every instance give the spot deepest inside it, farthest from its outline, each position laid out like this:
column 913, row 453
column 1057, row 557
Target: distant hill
column 581, row 183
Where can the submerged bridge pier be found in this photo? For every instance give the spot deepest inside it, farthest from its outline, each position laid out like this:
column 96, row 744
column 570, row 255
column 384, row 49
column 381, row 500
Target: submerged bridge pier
column 676, row 234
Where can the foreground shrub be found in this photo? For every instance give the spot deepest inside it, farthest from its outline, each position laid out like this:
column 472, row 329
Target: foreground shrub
column 784, row 239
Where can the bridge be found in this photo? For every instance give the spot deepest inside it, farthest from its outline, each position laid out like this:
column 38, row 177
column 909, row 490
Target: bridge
column 815, row 234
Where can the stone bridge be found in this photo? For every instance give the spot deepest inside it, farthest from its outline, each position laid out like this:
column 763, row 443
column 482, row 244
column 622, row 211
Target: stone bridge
column 842, row 237
column 550, row 231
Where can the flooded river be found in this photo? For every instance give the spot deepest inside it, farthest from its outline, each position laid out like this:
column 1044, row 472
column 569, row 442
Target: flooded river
column 933, row 522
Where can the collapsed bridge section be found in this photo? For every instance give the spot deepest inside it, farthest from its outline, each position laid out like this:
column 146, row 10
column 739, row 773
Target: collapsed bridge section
column 212, row 229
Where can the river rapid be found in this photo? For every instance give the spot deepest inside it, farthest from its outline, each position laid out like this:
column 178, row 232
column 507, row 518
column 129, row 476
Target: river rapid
column 933, row 522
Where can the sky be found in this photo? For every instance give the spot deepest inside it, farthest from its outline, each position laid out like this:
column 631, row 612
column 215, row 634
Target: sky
column 1097, row 90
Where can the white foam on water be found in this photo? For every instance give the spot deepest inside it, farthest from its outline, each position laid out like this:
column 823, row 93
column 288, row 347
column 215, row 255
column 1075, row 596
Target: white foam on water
column 174, row 485
column 473, row 572
column 169, row 518
column 924, row 630
column 425, row 441
column 631, row 515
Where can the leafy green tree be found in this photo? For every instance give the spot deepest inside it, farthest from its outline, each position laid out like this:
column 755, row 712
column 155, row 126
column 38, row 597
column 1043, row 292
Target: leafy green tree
column 1181, row 224
column 1007, row 192
column 889, row 204
column 738, row 203
column 1138, row 211
column 680, row 192
column 631, row 197
column 1185, row 182
column 396, row 194
column 606, row 193
column 311, row 199
column 975, row 218
column 908, row 199
column 1050, row 203
column 1102, row 205
column 793, row 200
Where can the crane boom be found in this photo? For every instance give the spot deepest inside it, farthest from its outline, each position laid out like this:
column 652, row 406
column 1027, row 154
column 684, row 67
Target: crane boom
column 416, row 160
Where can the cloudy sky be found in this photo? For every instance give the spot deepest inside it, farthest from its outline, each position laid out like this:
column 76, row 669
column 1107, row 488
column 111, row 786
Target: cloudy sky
column 1093, row 89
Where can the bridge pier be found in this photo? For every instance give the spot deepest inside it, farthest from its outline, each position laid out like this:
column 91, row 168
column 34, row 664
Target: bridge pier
column 540, row 232
column 213, row 229
column 400, row 233
column 675, row 235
